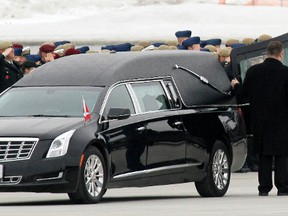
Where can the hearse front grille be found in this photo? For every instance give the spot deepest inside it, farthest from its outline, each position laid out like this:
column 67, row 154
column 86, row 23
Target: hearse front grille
column 13, row 149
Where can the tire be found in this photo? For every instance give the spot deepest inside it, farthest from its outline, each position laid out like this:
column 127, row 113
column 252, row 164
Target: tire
column 94, row 172
column 217, row 181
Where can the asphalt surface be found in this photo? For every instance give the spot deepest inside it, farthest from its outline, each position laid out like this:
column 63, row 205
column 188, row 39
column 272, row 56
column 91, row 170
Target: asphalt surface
column 180, row 199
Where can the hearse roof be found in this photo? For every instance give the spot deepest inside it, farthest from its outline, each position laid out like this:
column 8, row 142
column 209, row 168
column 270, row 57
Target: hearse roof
column 107, row 69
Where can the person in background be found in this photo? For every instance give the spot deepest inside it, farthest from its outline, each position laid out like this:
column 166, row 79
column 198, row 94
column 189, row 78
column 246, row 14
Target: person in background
column 192, row 43
column 266, row 89
column 28, row 66
column 46, row 51
column 181, row 36
column 10, row 70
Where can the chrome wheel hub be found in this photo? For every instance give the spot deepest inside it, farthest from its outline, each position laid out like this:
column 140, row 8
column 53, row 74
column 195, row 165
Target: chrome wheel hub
column 220, row 169
column 93, row 175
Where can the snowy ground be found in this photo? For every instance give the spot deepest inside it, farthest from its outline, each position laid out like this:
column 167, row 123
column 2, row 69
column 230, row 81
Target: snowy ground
column 104, row 21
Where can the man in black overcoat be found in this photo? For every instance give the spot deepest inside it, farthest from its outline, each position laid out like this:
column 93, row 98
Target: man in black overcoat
column 10, row 70
column 266, row 88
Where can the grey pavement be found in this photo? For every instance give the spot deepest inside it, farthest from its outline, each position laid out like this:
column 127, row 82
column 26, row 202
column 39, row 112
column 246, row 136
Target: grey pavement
column 179, row 199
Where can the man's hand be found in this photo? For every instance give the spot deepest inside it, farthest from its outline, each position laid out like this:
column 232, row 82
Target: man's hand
column 234, row 82
column 7, row 51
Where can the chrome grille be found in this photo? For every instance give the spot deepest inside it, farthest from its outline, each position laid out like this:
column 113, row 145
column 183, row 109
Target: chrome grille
column 13, row 149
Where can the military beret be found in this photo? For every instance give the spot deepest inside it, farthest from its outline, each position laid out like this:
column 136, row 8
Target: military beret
column 231, row 41
column 225, row 52
column 163, row 47
column 143, row 43
column 173, row 48
column 17, row 51
column 211, row 48
column 237, row 45
column 83, row 49
column 65, row 47
column 5, row 44
column 181, row 47
column 71, row 51
column 136, row 48
column 16, row 45
column 264, row 37
column 248, row 41
column 191, row 41
column 214, row 42
column 185, row 33
column 47, row 47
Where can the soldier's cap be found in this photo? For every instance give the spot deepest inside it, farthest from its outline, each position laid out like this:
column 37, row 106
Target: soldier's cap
column 33, row 57
column 65, row 47
column 17, row 51
column 237, row 45
column 225, row 52
column 5, row 45
column 58, row 43
column 158, row 44
column 83, row 49
column 214, row 42
column 136, row 48
column 143, row 43
column 203, row 43
column 171, row 43
column 184, row 33
column 248, row 41
column 231, row 41
column 191, row 41
column 26, row 51
column 163, row 47
column 211, row 48
column 47, row 47
column 264, row 37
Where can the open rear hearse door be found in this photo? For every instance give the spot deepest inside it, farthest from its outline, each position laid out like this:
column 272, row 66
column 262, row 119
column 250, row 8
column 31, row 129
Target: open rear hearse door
column 244, row 57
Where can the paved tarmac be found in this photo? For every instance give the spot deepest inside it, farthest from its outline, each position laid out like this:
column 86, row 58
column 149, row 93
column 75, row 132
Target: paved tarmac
column 175, row 200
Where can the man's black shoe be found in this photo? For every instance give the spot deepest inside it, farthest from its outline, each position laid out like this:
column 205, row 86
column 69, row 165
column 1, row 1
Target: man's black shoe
column 263, row 194
column 282, row 193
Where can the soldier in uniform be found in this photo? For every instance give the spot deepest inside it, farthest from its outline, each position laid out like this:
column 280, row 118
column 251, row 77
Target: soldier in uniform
column 10, row 70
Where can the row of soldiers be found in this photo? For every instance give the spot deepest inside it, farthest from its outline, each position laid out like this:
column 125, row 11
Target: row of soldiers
column 17, row 60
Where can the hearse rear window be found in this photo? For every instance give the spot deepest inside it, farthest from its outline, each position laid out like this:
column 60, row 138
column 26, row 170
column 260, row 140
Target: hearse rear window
column 48, row 101
column 151, row 96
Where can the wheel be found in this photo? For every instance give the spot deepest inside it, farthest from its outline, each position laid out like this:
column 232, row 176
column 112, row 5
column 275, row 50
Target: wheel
column 217, row 181
column 93, row 178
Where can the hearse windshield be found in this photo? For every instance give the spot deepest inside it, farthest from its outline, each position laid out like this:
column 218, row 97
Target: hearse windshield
column 48, row 101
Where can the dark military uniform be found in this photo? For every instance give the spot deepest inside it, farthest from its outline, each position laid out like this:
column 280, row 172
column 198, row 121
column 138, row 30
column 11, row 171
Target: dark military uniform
column 9, row 73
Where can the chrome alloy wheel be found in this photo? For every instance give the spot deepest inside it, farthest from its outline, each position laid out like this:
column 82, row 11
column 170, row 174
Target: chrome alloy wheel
column 220, row 169
column 94, row 175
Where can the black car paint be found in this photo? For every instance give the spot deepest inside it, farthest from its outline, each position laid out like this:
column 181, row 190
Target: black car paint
column 162, row 150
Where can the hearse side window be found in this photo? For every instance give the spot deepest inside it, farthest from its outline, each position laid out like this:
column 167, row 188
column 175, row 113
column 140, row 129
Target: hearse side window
column 151, row 96
column 119, row 98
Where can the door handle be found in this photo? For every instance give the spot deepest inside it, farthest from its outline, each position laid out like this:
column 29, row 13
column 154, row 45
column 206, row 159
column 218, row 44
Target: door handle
column 178, row 123
column 141, row 128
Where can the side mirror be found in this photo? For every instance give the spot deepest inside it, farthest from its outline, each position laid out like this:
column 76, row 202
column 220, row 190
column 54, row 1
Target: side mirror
column 119, row 113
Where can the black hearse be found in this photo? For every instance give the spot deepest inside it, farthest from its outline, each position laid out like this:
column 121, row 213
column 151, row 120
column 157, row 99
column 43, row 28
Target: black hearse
column 150, row 118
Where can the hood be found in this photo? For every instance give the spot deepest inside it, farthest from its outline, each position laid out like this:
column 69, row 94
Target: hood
column 43, row 128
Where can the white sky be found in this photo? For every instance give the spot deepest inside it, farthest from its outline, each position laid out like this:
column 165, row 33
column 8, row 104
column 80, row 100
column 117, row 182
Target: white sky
column 103, row 21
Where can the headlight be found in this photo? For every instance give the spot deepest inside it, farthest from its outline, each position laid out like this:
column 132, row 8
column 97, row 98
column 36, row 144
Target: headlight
column 60, row 144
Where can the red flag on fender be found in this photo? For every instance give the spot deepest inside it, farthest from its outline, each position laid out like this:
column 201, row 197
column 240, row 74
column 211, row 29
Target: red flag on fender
column 86, row 113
